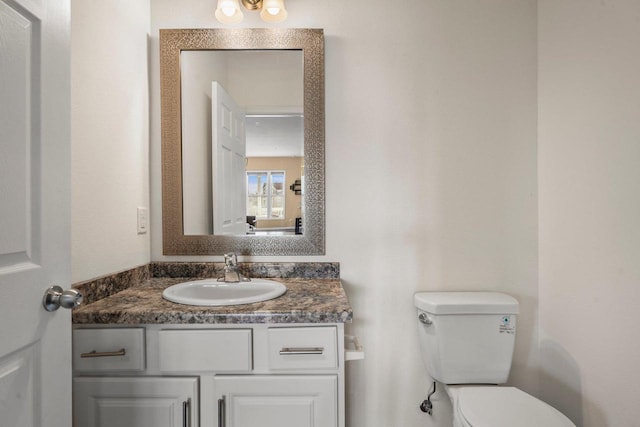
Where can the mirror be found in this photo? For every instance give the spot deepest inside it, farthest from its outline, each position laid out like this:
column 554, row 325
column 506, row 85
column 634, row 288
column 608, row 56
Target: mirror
column 242, row 118
column 282, row 172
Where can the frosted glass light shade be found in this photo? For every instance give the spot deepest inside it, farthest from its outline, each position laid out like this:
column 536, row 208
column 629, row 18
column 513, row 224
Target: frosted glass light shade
column 228, row 12
column 273, row 11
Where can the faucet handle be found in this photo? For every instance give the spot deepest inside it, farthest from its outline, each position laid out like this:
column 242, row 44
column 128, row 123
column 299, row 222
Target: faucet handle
column 230, row 259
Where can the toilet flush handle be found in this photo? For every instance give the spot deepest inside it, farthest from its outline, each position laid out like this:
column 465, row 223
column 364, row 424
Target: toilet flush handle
column 423, row 318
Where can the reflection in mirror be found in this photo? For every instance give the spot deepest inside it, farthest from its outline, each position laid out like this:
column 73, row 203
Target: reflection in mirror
column 191, row 179
column 242, row 141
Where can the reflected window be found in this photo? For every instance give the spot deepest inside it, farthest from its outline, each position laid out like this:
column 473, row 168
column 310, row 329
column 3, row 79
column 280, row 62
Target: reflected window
column 265, row 194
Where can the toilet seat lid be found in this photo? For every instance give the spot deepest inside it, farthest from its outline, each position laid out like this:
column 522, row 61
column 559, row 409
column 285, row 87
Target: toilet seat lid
column 493, row 406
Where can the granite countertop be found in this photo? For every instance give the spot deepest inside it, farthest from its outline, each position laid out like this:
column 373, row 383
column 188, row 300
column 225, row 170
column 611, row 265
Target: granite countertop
column 306, row 301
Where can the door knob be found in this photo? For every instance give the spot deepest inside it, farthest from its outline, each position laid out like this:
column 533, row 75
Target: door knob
column 55, row 297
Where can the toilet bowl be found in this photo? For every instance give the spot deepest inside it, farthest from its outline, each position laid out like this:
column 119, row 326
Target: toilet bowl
column 496, row 406
column 467, row 341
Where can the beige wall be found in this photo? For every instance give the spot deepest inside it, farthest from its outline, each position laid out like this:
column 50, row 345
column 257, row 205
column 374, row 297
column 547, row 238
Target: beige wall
column 267, row 82
column 431, row 131
column 589, row 186
column 109, row 135
column 453, row 123
column 292, row 166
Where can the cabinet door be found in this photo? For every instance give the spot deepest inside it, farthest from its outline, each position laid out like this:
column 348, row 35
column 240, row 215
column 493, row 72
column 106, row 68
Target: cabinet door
column 135, row 402
column 277, row 401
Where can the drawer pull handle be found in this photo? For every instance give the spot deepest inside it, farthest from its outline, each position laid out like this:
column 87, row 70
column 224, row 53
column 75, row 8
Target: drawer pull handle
column 94, row 353
column 301, row 350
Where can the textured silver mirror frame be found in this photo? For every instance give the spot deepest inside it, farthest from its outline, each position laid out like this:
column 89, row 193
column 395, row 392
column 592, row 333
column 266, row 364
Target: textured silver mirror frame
column 311, row 42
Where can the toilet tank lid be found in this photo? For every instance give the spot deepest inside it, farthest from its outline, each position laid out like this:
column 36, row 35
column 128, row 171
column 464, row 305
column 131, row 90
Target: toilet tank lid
column 466, row 303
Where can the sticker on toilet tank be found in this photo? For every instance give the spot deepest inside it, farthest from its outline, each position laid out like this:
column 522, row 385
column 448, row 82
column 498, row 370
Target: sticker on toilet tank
column 506, row 325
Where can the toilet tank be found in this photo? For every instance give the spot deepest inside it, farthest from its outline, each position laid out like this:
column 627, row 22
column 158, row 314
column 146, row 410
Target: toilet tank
column 467, row 337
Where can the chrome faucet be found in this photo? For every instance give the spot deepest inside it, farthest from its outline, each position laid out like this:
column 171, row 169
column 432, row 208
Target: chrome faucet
column 231, row 273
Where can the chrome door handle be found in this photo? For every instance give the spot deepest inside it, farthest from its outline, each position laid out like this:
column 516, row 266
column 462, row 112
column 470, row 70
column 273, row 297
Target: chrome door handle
column 301, row 350
column 423, row 318
column 55, row 297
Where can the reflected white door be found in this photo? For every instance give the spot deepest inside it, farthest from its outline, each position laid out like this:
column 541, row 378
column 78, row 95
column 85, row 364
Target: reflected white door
column 229, row 162
column 35, row 345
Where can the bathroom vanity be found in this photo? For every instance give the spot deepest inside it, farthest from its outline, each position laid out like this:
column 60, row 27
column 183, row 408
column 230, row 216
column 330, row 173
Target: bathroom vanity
column 140, row 360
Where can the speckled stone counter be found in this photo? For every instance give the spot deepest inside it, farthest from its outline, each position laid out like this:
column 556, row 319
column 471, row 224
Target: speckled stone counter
column 307, row 300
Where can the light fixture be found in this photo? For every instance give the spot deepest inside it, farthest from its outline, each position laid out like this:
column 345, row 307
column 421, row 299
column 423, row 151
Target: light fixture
column 273, row 11
column 229, row 12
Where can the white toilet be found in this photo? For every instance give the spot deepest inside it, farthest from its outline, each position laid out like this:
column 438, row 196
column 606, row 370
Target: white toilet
column 467, row 341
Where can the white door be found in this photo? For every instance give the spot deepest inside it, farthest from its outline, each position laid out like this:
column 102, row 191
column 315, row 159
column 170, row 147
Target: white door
column 277, row 400
column 35, row 345
column 229, row 162
column 136, row 402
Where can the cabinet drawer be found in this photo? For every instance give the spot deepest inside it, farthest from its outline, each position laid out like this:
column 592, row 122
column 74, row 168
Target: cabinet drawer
column 208, row 350
column 108, row 350
column 303, row 348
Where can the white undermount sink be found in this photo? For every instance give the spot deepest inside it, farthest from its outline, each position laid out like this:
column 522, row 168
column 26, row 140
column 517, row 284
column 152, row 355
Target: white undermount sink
column 210, row 292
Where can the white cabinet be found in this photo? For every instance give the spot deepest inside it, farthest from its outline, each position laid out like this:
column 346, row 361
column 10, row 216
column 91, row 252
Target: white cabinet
column 135, row 402
column 205, row 350
column 303, row 348
column 277, row 401
column 231, row 375
column 108, row 349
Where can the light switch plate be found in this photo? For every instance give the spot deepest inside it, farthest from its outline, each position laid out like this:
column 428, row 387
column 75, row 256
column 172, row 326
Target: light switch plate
column 142, row 220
